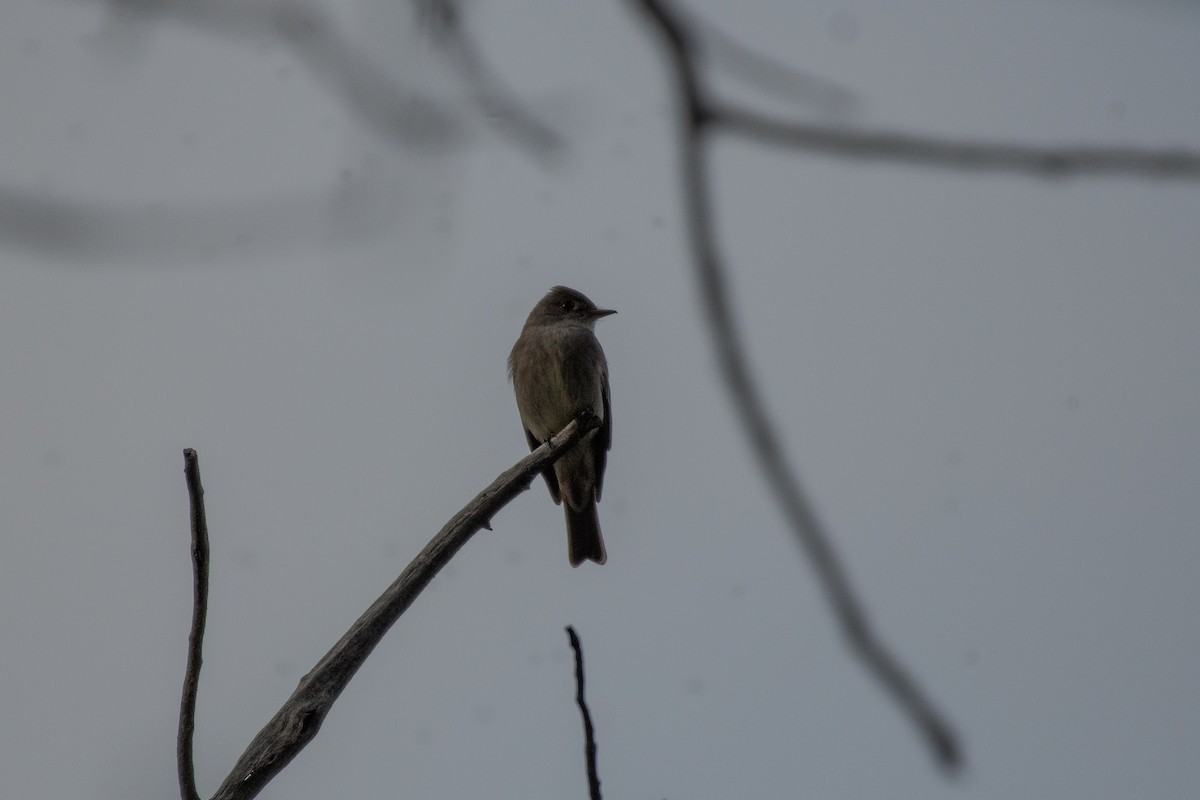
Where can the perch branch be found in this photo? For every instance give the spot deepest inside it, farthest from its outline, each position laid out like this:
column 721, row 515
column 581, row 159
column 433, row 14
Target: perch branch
column 300, row 717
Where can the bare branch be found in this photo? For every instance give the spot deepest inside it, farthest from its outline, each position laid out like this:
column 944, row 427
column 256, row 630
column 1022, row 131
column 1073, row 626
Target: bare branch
column 589, row 734
column 299, row 719
column 191, row 677
column 352, row 206
column 904, row 148
column 165, row 230
column 929, row 151
column 752, row 67
column 397, row 112
column 385, row 104
column 499, row 104
column 696, row 123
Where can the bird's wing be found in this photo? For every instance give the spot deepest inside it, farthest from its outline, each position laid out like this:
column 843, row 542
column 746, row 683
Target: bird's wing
column 603, row 440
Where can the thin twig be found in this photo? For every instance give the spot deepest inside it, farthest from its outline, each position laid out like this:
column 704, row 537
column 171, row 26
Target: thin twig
column 191, row 676
column 589, row 734
column 756, row 69
column 931, row 151
column 498, row 104
column 387, row 105
column 299, row 719
column 697, row 124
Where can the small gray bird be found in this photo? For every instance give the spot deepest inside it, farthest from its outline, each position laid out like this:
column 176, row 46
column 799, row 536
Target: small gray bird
column 558, row 370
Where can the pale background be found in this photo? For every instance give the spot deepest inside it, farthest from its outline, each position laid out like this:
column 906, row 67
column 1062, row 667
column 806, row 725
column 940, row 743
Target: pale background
column 989, row 384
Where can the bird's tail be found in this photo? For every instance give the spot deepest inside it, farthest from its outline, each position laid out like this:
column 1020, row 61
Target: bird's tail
column 583, row 535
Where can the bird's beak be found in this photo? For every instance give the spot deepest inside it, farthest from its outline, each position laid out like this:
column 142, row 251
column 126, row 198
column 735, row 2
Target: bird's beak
column 602, row 312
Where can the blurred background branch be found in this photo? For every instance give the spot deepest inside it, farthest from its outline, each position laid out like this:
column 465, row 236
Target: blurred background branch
column 399, row 114
column 393, row 110
column 945, row 153
column 701, row 117
column 696, row 122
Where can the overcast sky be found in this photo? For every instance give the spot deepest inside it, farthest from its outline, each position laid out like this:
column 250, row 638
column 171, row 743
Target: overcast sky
column 989, row 384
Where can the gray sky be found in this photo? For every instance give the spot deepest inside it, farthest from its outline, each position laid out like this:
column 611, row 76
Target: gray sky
column 988, row 383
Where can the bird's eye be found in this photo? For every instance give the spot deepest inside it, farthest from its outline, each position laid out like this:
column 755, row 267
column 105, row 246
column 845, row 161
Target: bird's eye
column 567, row 305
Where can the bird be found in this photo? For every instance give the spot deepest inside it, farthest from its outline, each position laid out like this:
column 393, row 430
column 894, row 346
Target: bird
column 558, row 371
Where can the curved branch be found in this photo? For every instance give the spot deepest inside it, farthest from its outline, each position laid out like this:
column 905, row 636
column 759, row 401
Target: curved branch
column 498, row 104
column 299, row 719
column 397, row 112
column 697, row 122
